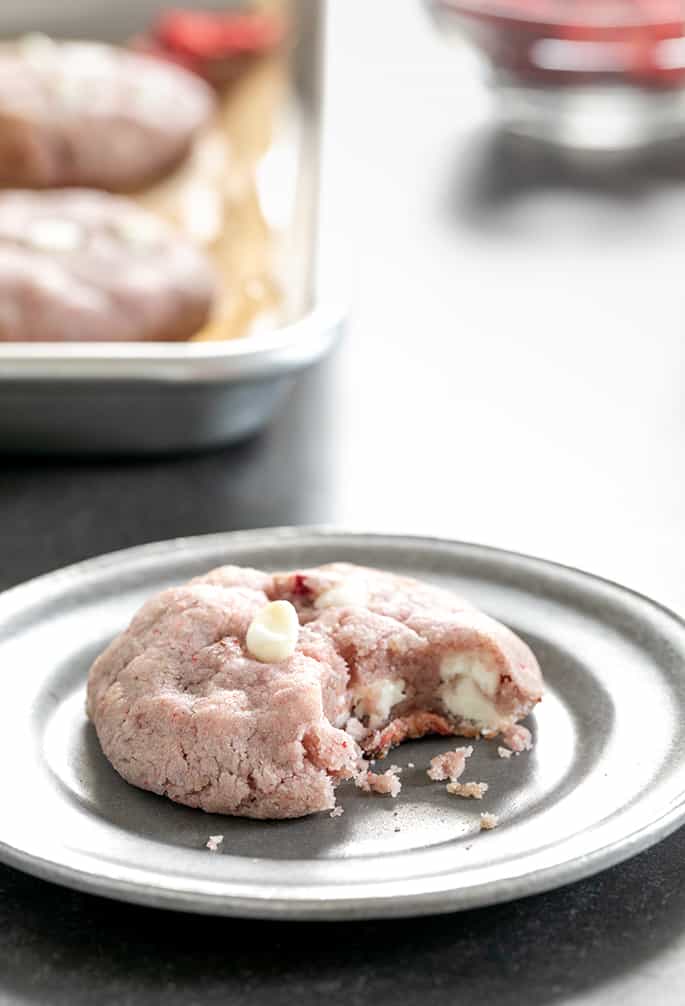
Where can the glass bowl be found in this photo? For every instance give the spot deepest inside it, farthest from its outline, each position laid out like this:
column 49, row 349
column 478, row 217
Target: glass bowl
column 601, row 74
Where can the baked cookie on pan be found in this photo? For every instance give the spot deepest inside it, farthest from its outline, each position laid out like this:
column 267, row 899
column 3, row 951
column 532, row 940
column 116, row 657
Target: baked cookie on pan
column 94, row 115
column 81, row 265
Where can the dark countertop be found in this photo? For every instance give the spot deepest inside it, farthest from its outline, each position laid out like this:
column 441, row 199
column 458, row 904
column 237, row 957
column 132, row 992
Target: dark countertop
column 605, row 940
column 513, row 374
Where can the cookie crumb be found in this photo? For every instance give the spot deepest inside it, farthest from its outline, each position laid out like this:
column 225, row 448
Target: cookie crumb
column 504, row 752
column 449, row 764
column 386, row 784
column 410, row 764
column 518, row 738
column 488, row 822
column 473, row 790
column 213, row 842
column 337, row 812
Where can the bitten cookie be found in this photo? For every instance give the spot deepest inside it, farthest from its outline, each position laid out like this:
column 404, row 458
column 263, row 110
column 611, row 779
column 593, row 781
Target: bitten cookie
column 255, row 694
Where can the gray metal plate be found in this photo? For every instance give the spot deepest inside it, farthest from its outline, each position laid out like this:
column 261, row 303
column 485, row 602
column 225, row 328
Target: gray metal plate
column 606, row 777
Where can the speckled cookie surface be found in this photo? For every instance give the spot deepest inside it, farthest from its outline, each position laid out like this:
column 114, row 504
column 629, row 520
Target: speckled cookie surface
column 182, row 707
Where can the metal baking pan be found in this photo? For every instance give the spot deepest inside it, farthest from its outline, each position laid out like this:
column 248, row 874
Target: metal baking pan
column 155, row 397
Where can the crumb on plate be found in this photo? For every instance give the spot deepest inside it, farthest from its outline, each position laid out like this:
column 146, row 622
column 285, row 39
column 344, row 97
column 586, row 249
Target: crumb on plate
column 449, row 764
column 473, row 790
column 518, row 738
column 385, row 784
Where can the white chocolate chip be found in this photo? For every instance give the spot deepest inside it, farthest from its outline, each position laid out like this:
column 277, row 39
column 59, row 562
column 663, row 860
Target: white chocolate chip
column 469, row 685
column 464, row 699
column 377, row 699
column 348, row 594
column 54, row 234
column 470, row 666
column 272, row 635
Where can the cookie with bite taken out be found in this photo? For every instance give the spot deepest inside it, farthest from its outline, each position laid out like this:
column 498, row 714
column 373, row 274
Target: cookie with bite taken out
column 256, row 694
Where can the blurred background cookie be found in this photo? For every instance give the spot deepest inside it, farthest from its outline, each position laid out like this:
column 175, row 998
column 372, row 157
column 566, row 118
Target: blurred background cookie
column 89, row 114
column 82, row 265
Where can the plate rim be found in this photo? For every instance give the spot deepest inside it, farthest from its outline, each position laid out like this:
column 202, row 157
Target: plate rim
column 395, row 905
